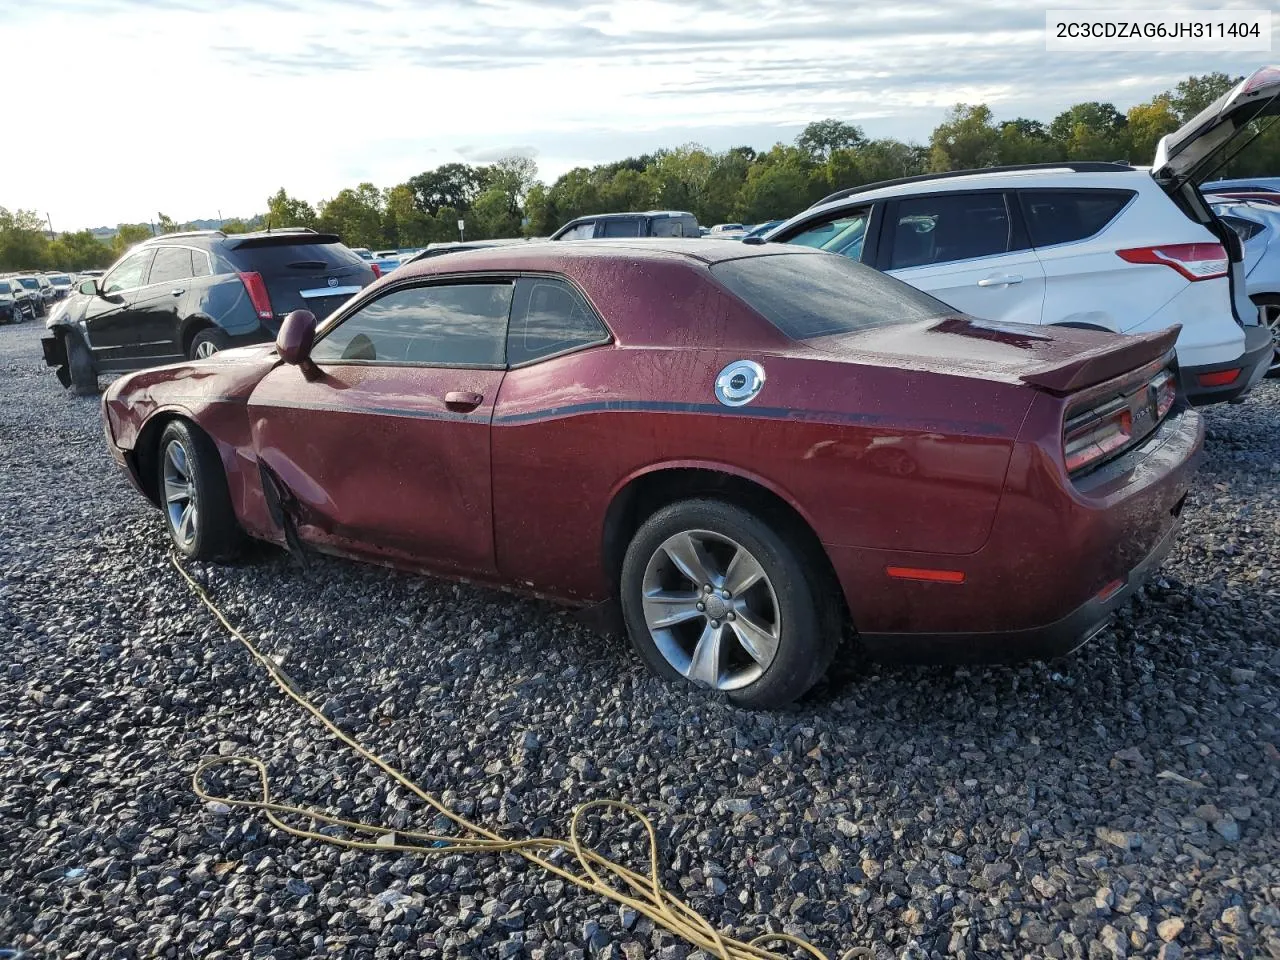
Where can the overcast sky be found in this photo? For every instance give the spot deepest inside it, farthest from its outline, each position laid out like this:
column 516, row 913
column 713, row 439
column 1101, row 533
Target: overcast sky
column 192, row 107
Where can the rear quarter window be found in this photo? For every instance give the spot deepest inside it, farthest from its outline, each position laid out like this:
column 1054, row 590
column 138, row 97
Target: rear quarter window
column 818, row 295
column 1065, row 216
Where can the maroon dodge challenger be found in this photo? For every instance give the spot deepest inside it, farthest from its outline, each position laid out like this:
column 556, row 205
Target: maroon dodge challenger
column 753, row 449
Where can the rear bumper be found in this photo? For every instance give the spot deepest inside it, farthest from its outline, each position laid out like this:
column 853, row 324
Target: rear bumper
column 1060, row 559
column 1251, row 366
column 1056, row 639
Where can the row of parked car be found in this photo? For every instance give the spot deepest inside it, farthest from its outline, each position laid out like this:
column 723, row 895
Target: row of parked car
column 26, row 296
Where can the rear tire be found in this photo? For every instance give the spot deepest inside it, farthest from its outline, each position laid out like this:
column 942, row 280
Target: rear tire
column 84, row 375
column 768, row 626
column 191, row 486
column 1269, row 313
column 208, row 342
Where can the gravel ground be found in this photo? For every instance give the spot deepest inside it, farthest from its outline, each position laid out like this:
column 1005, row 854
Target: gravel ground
column 1120, row 802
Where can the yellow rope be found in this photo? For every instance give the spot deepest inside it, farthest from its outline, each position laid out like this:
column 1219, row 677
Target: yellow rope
column 646, row 894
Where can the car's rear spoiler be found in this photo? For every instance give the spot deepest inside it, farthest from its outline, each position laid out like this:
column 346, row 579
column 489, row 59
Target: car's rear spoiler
column 283, row 238
column 1105, row 362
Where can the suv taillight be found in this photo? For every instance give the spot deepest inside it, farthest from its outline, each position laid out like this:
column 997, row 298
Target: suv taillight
column 377, row 270
column 257, row 290
column 1195, row 261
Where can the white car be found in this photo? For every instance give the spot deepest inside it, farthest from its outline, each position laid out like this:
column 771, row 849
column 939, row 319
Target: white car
column 1100, row 245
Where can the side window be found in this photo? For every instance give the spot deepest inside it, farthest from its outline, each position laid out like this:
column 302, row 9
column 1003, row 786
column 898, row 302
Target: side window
column 127, row 274
column 453, row 325
column 1063, row 216
column 620, row 228
column 583, row 231
column 844, row 234
column 200, row 264
column 671, row 227
column 549, row 317
column 1245, row 229
column 943, row 227
column 171, row 263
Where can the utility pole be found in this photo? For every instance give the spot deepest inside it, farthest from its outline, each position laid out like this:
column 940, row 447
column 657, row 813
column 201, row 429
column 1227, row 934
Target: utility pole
column 49, row 220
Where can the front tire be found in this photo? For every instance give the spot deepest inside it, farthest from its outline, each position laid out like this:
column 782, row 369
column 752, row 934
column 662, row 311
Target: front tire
column 84, row 375
column 714, row 595
column 192, row 489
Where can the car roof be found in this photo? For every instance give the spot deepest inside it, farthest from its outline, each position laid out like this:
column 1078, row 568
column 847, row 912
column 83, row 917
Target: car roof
column 632, row 213
column 548, row 255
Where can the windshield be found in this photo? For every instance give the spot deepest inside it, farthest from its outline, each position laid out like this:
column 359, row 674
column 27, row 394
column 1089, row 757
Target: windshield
column 60, row 278
column 29, row 283
column 807, row 296
column 4, row 287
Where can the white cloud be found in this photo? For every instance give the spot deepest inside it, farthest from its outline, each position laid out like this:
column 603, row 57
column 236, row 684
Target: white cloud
column 192, row 108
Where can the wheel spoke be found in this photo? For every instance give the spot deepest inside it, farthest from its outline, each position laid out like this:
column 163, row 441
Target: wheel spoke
column 743, row 573
column 666, row 609
column 185, row 524
column 178, row 458
column 759, row 642
column 705, row 665
column 175, row 492
column 687, row 555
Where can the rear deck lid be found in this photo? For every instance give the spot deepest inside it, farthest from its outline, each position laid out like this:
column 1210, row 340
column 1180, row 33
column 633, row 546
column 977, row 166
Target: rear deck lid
column 1203, row 143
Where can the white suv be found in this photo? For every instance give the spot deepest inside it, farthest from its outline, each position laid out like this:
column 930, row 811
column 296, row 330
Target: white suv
column 1100, row 245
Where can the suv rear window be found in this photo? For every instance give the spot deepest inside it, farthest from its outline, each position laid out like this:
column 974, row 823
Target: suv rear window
column 284, row 257
column 816, row 295
column 1064, row 216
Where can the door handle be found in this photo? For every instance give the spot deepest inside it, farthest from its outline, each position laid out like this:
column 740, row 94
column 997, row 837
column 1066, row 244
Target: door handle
column 1007, row 280
column 177, row 292
column 463, row 399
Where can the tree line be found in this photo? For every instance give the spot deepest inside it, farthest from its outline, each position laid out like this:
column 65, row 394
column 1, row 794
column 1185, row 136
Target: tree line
column 741, row 184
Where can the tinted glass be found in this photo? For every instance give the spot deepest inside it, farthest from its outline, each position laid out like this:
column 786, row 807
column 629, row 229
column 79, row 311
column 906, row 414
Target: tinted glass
column 843, row 234
column 1245, row 229
column 672, row 227
column 456, row 325
column 59, row 278
column 171, row 263
column 128, row 274
column 620, row 228
column 941, row 228
column 288, row 257
column 583, row 231
column 807, row 295
column 1062, row 216
column 29, row 283
column 549, row 317
column 4, row 287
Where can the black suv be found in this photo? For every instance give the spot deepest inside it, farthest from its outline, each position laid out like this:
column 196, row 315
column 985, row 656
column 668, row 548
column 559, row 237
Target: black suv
column 189, row 295
column 650, row 223
column 16, row 303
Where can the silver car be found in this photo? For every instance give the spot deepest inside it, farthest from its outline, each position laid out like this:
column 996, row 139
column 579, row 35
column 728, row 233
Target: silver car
column 1258, row 225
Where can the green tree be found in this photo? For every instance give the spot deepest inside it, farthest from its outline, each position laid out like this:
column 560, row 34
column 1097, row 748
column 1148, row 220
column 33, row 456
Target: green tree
column 1195, row 93
column 780, row 184
column 1092, row 131
column 822, row 137
column 491, row 215
column 23, row 242
column 78, row 251
column 129, row 235
column 355, row 216
column 286, row 211
column 1026, row 141
column 166, row 224
column 403, row 223
column 453, row 185
column 965, row 140
column 1147, row 123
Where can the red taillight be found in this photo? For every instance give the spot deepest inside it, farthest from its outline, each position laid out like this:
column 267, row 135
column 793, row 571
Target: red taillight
column 1099, row 435
column 1261, row 78
column 257, row 290
column 1195, row 261
column 377, row 271
column 1219, row 378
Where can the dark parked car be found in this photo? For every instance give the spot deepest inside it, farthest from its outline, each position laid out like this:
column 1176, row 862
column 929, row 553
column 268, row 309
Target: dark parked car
column 189, row 295
column 651, row 223
column 16, row 304
column 35, row 296
column 701, row 430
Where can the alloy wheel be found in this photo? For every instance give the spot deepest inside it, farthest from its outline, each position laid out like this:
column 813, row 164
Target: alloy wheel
column 711, row 610
column 205, row 349
column 1271, row 317
column 180, row 495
